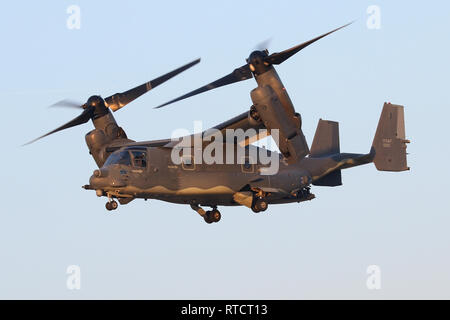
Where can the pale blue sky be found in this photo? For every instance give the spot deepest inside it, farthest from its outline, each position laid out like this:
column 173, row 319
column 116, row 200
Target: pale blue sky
column 319, row 249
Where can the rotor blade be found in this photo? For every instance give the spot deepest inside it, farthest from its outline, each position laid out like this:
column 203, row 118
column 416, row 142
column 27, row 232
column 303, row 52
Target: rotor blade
column 67, row 103
column 119, row 100
column 239, row 74
column 280, row 57
column 82, row 118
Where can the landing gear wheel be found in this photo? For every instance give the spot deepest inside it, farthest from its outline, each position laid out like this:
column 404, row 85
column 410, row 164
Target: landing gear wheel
column 260, row 205
column 207, row 217
column 215, row 215
column 212, row 216
column 111, row 205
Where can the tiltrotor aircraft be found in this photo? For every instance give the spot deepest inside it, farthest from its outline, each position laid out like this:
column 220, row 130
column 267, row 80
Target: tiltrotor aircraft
column 131, row 170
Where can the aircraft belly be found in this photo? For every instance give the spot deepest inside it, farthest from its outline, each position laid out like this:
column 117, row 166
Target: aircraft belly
column 204, row 185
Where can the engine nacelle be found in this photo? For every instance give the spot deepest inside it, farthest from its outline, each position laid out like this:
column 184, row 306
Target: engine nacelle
column 105, row 133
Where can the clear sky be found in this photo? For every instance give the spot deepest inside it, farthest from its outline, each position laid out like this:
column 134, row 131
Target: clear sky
column 319, row 249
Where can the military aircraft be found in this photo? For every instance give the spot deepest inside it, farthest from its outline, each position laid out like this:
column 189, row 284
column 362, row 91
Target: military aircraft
column 129, row 170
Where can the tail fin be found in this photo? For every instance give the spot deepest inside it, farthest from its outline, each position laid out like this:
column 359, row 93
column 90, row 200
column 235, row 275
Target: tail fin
column 326, row 139
column 326, row 143
column 389, row 143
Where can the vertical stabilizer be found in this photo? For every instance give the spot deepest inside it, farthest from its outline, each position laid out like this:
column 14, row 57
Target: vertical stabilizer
column 326, row 143
column 326, row 139
column 389, row 143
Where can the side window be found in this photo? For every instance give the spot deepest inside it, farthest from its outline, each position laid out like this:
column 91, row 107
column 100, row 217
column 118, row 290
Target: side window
column 139, row 159
column 188, row 163
column 247, row 166
column 125, row 158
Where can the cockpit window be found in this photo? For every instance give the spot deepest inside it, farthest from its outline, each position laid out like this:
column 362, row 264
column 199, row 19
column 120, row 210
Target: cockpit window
column 122, row 157
column 139, row 158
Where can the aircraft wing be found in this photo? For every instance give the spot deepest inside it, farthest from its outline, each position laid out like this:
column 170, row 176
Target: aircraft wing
column 239, row 122
column 153, row 143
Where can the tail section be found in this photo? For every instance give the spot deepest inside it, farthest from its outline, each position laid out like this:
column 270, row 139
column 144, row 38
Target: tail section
column 388, row 151
column 389, row 143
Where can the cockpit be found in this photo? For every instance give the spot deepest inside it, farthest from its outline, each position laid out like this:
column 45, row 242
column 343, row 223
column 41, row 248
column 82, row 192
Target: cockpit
column 136, row 157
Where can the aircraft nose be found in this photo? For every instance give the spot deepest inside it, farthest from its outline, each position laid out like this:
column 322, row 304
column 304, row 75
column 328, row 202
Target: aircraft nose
column 101, row 179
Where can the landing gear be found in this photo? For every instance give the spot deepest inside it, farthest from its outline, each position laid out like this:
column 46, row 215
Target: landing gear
column 259, row 202
column 209, row 216
column 259, row 205
column 304, row 194
column 111, row 205
column 212, row 216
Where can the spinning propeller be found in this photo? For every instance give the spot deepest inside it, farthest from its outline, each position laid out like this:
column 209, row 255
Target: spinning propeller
column 96, row 106
column 258, row 62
